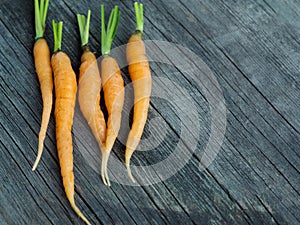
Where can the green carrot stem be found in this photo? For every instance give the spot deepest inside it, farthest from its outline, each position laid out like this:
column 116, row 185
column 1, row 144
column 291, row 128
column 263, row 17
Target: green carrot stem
column 45, row 10
column 84, row 27
column 42, row 3
column 139, row 14
column 108, row 34
column 57, row 33
column 40, row 13
column 103, row 32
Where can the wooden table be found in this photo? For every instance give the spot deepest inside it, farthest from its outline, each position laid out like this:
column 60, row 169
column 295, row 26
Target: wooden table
column 252, row 49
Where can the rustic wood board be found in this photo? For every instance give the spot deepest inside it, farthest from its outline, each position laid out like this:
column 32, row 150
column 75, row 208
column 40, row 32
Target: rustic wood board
column 251, row 47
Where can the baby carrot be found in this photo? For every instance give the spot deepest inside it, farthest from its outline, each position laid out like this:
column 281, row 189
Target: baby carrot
column 113, row 84
column 43, row 68
column 140, row 75
column 89, row 87
column 65, row 97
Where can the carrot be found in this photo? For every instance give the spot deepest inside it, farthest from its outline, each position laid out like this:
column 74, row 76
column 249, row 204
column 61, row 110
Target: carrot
column 42, row 63
column 113, row 84
column 65, row 97
column 140, row 75
column 90, row 86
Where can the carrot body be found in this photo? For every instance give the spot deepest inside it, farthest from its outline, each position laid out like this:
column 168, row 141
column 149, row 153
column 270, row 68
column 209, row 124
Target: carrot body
column 89, row 96
column 113, row 84
column 89, row 100
column 113, row 88
column 65, row 92
column 44, row 71
column 140, row 75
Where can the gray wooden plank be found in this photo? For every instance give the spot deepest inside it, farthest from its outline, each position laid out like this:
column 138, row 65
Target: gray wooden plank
column 290, row 142
column 279, row 90
column 273, row 176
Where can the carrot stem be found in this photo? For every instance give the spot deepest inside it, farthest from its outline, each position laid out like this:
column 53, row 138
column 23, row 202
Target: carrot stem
column 42, row 3
column 45, row 10
column 57, row 33
column 139, row 14
column 84, row 27
column 40, row 13
column 108, row 34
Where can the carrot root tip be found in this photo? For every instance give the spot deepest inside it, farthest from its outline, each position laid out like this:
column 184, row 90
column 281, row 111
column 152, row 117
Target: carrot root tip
column 39, row 155
column 104, row 174
column 34, row 166
column 128, row 154
column 129, row 172
column 36, row 163
column 79, row 213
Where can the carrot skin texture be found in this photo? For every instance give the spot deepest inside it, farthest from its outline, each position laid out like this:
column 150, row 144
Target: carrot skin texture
column 113, row 88
column 140, row 75
column 89, row 96
column 65, row 93
column 42, row 63
column 89, row 101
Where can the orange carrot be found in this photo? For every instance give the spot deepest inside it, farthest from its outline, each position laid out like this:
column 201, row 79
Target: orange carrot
column 65, row 97
column 113, row 89
column 42, row 63
column 140, row 75
column 113, row 84
column 89, row 88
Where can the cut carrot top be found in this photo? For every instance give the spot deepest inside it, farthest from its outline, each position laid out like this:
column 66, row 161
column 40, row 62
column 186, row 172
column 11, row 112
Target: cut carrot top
column 139, row 14
column 57, row 33
column 40, row 13
column 84, row 27
column 107, row 35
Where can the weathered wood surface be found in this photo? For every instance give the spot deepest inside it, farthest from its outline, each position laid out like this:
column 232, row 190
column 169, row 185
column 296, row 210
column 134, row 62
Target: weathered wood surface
column 252, row 47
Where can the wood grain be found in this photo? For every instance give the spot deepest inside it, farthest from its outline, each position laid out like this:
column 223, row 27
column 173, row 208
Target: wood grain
column 253, row 50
